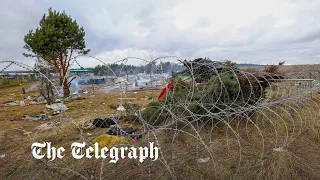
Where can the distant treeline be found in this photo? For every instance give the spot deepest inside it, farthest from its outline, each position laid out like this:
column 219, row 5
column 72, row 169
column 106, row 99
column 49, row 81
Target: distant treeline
column 163, row 67
column 123, row 69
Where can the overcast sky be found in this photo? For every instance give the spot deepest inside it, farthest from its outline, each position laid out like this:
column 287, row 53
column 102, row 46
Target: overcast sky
column 246, row 31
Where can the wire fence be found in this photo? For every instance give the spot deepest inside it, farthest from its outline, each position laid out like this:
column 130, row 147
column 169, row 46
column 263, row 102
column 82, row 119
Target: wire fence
column 212, row 122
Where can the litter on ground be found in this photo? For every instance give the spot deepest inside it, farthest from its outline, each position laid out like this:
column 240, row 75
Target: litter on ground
column 121, row 108
column 27, row 133
column 35, row 117
column 280, row 149
column 57, row 107
column 22, row 103
column 129, row 132
column 80, row 91
column 10, row 103
column 105, row 123
column 108, row 140
column 203, row 160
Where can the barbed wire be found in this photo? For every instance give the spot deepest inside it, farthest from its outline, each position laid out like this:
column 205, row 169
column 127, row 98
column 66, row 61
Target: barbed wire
column 214, row 117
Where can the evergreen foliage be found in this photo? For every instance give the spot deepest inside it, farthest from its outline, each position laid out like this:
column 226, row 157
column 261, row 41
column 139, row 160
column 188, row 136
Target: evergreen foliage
column 58, row 38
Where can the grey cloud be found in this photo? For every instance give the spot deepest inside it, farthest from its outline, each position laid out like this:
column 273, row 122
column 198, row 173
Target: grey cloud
column 309, row 37
column 203, row 22
column 111, row 25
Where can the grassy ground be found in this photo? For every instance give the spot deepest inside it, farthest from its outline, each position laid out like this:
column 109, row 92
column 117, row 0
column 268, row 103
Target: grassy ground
column 16, row 145
column 293, row 71
column 7, row 83
column 278, row 142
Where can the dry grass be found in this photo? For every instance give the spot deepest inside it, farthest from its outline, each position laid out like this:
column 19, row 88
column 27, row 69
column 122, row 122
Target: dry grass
column 292, row 71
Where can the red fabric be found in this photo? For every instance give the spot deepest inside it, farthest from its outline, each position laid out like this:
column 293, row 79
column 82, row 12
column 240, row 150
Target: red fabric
column 170, row 86
column 164, row 90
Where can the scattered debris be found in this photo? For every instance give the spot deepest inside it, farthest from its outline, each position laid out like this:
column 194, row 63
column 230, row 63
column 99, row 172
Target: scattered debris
column 10, row 103
column 27, row 133
column 55, row 113
column 40, row 99
column 33, row 102
column 121, row 131
column 89, row 134
column 203, row 160
column 2, row 156
column 80, row 91
column 108, row 140
column 105, row 123
column 57, row 107
column 129, row 132
column 121, row 108
column 22, row 103
column 36, row 117
column 280, row 149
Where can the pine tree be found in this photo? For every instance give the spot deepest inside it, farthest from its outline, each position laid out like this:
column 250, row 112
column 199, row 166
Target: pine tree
column 56, row 41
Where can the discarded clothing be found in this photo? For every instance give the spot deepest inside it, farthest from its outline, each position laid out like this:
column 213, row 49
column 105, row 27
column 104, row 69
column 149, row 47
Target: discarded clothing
column 40, row 99
column 107, row 140
column 6, row 102
column 12, row 103
column 104, row 123
column 35, row 117
column 121, row 131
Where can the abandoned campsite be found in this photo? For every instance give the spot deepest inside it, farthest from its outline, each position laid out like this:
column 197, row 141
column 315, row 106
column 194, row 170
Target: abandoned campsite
column 70, row 114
